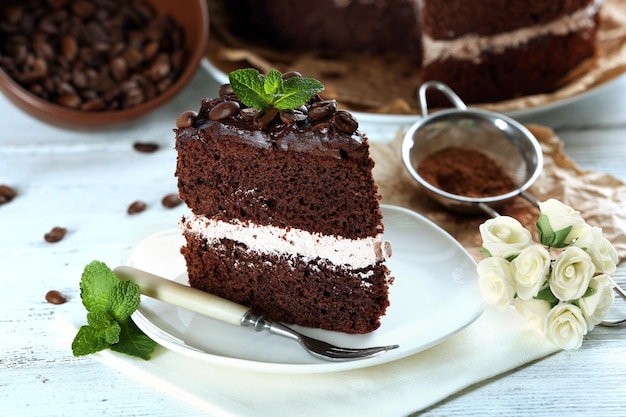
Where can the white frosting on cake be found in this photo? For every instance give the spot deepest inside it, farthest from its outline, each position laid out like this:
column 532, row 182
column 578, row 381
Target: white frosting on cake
column 352, row 253
column 469, row 47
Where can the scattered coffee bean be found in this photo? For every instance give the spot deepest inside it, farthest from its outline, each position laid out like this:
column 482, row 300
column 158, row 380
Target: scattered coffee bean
column 7, row 194
column 223, row 110
column 171, row 201
column 55, row 297
column 185, row 119
column 345, row 121
column 136, row 207
column 146, row 147
column 55, row 235
column 92, row 47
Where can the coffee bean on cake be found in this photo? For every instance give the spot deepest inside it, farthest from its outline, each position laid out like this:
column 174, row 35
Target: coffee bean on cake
column 345, row 121
column 322, row 110
column 90, row 55
column 223, row 110
column 185, row 119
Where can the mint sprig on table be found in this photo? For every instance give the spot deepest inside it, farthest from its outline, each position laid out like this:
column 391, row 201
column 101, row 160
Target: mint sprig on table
column 272, row 91
column 109, row 303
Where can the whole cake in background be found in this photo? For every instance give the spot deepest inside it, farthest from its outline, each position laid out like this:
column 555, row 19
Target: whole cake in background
column 285, row 212
column 486, row 51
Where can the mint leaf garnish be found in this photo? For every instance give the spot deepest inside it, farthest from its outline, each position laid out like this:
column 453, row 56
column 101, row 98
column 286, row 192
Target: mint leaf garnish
column 296, row 92
column 248, row 85
column 110, row 303
column 273, row 83
column 124, row 300
column 262, row 92
column 89, row 340
column 95, row 286
column 133, row 342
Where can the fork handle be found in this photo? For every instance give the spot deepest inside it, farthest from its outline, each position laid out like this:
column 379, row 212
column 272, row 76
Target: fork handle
column 181, row 295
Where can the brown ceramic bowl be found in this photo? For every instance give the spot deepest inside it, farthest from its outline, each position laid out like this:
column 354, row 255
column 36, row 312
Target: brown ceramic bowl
column 191, row 15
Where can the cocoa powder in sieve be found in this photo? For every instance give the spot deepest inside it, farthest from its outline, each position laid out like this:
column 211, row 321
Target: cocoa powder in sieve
column 465, row 172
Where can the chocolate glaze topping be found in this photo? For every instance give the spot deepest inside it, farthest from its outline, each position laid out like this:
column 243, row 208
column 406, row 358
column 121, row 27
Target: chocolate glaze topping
column 316, row 127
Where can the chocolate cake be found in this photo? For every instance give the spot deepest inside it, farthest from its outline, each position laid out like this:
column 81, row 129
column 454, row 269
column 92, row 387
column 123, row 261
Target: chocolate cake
column 285, row 212
column 487, row 50
column 493, row 50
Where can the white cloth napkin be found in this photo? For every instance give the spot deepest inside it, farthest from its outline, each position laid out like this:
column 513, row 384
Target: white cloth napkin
column 495, row 343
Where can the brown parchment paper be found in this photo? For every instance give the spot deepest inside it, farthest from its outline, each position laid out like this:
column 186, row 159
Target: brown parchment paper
column 600, row 198
column 388, row 85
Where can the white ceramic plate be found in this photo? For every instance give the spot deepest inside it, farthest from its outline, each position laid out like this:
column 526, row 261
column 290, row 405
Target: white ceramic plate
column 434, row 295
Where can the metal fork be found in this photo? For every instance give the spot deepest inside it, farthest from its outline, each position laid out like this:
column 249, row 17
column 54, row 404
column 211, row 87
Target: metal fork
column 218, row 308
column 315, row 347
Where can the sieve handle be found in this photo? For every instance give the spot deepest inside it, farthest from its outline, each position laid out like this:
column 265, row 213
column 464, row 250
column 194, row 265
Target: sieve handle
column 493, row 213
column 447, row 91
column 532, row 200
column 488, row 209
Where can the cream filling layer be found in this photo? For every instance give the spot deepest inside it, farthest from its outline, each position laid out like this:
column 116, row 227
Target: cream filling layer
column 353, row 253
column 469, row 47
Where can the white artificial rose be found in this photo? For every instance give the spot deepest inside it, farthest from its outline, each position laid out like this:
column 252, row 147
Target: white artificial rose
column 602, row 252
column 561, row 216
column 571, row 273
column 530, row 270
column 566, row 326
column 495, row 280
column 596, row 306
column 534, row 310
column 504, row 236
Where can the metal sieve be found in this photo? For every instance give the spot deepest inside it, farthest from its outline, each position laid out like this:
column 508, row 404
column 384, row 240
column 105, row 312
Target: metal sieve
column 505, row 141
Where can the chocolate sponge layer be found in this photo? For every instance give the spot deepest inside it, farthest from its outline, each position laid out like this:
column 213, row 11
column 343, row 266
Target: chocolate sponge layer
column 289, row 289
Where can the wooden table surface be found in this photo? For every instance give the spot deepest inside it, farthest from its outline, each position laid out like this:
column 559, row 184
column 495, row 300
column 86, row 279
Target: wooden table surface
column 84, row 181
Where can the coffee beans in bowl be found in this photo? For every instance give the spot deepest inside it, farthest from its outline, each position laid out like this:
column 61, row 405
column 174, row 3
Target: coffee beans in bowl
column 98, row 63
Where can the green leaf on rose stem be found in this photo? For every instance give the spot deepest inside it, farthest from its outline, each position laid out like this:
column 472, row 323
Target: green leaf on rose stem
column 485, row 251
column 262, row 92
column 549, row 237
column 512, row 257
column 546, row 294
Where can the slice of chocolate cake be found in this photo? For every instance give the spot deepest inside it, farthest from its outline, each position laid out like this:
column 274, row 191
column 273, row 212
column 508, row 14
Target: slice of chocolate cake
column 285, row 212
